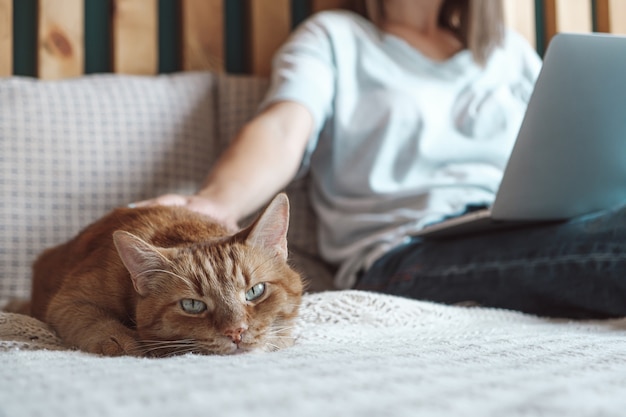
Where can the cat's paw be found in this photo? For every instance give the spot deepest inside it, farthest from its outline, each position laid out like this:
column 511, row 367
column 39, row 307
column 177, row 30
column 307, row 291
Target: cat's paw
column 117, row 345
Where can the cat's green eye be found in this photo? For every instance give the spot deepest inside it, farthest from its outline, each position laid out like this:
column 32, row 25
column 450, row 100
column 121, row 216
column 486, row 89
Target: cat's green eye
column 255, row 292
column 192, row 306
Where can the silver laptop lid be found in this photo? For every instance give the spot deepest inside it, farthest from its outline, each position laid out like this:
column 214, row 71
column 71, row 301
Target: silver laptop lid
column 570, row 155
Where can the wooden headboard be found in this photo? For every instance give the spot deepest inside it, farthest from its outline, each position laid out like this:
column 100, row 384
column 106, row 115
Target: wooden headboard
column 53, row 39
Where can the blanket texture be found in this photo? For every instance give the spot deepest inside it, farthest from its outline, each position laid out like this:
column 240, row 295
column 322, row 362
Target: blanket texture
column 357, row 354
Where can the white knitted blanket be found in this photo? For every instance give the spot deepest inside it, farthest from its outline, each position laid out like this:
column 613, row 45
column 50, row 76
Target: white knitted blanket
column 357, row 354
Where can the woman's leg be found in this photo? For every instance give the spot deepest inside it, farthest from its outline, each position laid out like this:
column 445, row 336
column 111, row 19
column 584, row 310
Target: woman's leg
column 574, row 269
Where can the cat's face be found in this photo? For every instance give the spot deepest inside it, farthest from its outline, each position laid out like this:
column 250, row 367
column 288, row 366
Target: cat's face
column 220, row 300
column 232, row 295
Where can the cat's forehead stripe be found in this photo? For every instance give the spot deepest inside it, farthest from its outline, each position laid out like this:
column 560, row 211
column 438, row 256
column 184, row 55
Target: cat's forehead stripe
column 232, row 269
column 206, row 276
column 218, row 266
column 239, row 275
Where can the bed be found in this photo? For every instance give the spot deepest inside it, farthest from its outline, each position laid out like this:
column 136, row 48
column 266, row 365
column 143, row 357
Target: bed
column 113, row 101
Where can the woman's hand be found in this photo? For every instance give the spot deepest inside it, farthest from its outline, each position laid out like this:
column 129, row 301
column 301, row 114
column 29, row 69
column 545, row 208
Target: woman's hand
column 194, row 203
column 259, row 162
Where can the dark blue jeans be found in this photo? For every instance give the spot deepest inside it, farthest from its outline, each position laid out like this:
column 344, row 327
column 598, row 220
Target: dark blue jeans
column 573, row 269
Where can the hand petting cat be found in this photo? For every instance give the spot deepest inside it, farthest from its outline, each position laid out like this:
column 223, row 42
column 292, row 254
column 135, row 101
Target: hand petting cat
column 195, row 203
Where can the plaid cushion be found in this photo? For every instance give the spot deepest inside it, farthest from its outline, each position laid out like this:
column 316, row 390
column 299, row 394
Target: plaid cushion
column 71, row 150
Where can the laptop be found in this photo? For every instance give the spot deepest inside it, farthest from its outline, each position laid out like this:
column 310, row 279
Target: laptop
column 569, row 157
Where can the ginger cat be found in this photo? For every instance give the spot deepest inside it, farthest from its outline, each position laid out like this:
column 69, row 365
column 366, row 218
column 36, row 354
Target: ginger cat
column 160, row 281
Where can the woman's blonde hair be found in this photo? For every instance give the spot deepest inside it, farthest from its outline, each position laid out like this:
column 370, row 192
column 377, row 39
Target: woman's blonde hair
column 478, row 24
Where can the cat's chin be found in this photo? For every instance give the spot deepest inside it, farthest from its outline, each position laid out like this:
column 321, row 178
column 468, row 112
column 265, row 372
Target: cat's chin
column 244, row 351
column 228, row 349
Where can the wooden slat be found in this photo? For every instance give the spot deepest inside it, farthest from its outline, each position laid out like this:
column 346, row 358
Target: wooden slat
column 270, row 23
column 319, row 5
column 520, row 15
column 611, row 15
column 202, row 35
column 6, row 38
column 567, row 16
column 60, row 39
column 135, row 36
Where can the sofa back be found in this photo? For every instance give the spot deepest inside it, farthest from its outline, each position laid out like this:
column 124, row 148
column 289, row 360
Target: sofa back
column 72, row 150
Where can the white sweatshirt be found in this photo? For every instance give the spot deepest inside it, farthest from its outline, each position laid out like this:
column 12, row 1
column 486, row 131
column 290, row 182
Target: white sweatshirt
column 400, row 140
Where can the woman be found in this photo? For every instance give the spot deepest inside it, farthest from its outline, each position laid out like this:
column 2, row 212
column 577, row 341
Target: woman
column 404, row 119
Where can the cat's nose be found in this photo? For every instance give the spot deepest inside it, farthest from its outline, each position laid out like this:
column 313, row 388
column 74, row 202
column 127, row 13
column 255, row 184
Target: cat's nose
column 235, row 334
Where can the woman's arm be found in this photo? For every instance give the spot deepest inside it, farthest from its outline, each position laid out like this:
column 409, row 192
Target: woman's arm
column 262, row 159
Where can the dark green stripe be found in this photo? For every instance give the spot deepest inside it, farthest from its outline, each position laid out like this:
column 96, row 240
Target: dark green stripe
column 540, row 27
column 97, row 36
column 169, row 36
column 300, row 10
column 594, row 15
column 235, row 24
column 25, row 37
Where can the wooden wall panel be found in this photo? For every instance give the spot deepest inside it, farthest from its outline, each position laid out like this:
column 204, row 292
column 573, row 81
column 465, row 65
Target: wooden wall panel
column 269, row 26
column 567, row 16
column 60, row 26
column 60, row 39
column 319, row 5
column 202, row 35
column 135, row 36
column 611, row 16
column 520, row 15
column 6, row 38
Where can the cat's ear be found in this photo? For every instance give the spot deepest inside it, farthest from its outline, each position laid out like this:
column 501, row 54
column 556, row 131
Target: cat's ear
column 270, row 229
column 140, row 258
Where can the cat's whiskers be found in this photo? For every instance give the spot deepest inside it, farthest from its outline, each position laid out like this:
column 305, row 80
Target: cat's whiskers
column 272, row 347
column 167, row 342
column 276, row 339
column 279, row 330
column 181, row 351
column 280, row 336
column 161, row 353
column 168, row 347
